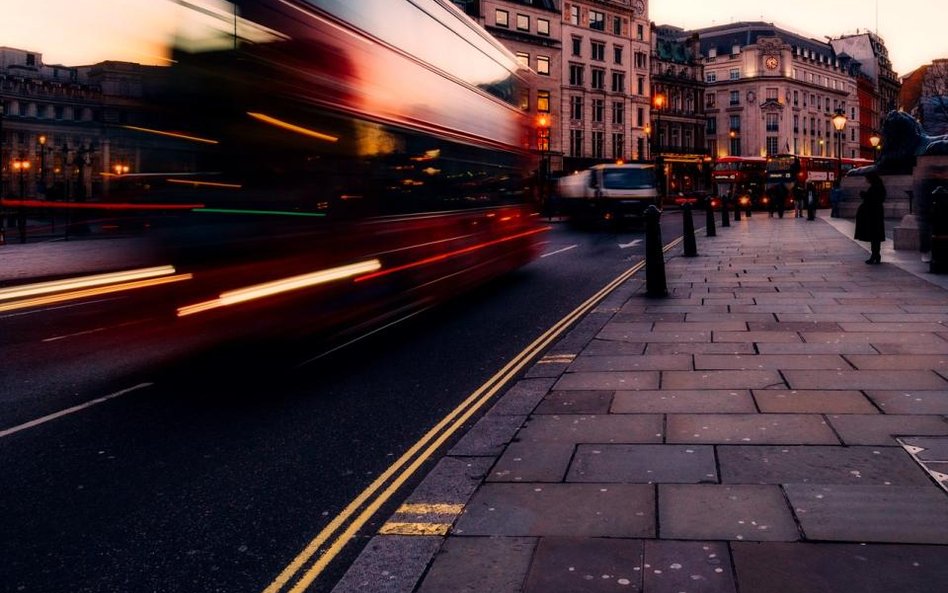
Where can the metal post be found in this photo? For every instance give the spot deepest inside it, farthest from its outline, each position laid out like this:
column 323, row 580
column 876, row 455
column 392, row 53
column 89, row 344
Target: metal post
column 691, row 248
column 654, row 255
column 709, row 229
column 725, row 215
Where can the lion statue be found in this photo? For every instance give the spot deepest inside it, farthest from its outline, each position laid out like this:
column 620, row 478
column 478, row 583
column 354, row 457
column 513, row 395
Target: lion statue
column 903, row 140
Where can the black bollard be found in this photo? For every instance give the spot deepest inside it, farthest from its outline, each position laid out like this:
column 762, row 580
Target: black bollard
column 725, row 215
column 709, row 219
column 737, row 211
column 691, row 248
column 654, row 256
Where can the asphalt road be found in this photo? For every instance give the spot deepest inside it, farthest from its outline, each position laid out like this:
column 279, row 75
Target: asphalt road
column 211, row 469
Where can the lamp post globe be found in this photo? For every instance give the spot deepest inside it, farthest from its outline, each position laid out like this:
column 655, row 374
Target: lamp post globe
column 839, row 122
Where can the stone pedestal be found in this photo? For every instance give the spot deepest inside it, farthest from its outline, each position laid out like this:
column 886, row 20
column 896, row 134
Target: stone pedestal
column 898, row 201
column 905, row 235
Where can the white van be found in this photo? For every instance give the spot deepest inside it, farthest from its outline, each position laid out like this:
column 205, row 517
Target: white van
column 609, row 192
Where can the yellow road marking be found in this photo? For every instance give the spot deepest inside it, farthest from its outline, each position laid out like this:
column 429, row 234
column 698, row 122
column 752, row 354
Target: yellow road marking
column 395, row 528
column 430, row 509
column 430, row 443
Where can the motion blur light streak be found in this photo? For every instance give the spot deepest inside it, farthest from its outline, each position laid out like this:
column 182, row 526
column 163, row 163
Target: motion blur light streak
column 83, row 282
column 80, row 294
column 258, row 291
column 172, row 134
column 95, row 206
column 291, row 127
column 444, row 256
column 259, row 212
column 205, row 183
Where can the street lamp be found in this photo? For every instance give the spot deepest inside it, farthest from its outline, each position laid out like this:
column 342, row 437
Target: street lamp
column 648, row 140
column 659, row 102
column 839, row 122
column 42, row 171
column 874, row 141
column 21, row 166
column 543, row 123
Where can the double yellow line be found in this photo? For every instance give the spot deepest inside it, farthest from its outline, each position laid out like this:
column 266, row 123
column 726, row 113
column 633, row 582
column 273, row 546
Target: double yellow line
column 312, row 560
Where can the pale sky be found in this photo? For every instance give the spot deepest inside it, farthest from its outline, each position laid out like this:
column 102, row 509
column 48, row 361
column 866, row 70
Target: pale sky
column 75, row 32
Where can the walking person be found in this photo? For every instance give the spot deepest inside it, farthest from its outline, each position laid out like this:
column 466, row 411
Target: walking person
column 870, row 217
column 798, row 201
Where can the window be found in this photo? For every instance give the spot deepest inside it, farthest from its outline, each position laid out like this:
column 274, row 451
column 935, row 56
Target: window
column 543, row 101
column 709, row 100
column 689, row 104
column 523, row 22
column 735, row 123
column 689, row 139
column 640, row 117
column 771, row 93
column 525, row 100
column 618, row 82
column 712, row 126
column 735, row 49
column 734, row 74
column 773, row 122
column 641, row 60
column 712, row 146
column 617, row 25
column 574, row 15
column 796, row 124
column 543, row 65
column 598, row 110
column 772, row 145
column 640, row 85
column 597, row 20
column 618, row 112
column 576, row 143
column 523, row 59
column 598, row 78
column 576, row 108
column 640, row 32
column 735, row 146
column 543, row 27
column 618, row 145
column 712, row 53
column 577, row 46
column 735, row 98
column 597, row 51
column 796, row 98
column 501, row 18
column 576, row 74
column 617, row 54
column 598, row 147
column 711, row 76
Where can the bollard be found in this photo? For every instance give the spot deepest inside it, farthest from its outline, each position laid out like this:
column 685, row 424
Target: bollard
column 709, row 229
column 939, row 225
column 691, row 248
column 737, row 211
column 654, row 256
column 725, row 215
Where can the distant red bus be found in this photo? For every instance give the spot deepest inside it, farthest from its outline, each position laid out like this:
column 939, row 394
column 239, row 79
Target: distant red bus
column 744, row 177
column 803, row 171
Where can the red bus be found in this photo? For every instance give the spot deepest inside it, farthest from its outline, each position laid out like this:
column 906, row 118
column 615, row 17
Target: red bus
column 820, row 172
column 743, row 177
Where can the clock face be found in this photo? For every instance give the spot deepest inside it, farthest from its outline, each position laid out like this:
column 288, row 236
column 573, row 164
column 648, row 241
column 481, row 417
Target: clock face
column 772, row 62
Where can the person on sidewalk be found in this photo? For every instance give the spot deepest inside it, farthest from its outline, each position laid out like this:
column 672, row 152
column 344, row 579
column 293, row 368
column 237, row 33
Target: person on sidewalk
column 798, row 196
column 870, row 217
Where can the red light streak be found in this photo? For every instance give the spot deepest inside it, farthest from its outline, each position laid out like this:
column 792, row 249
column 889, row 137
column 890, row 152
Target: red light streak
column 450, row 254
column 95, row 205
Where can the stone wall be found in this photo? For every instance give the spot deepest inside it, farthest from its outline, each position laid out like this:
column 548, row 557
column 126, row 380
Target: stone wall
column 898, row 200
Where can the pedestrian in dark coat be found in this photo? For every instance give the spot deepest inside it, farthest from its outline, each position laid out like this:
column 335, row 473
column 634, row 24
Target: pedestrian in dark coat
column 870, row 217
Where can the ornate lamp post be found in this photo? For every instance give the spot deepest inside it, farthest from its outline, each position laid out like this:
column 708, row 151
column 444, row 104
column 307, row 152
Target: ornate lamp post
column 543, row 123
column 659, row 102
column 42, row 170
column 839, row 122
column 648, row 141
column 874, row 141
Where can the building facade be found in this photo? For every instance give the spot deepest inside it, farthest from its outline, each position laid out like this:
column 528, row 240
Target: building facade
column 869, row 50
column 771, row 91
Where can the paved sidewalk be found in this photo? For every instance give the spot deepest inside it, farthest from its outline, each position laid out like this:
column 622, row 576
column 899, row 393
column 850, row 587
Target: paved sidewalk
column 776, row 425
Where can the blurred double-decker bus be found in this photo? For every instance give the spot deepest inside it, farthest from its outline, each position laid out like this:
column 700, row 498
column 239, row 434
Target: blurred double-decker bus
column 818, row 174
column 740, row 179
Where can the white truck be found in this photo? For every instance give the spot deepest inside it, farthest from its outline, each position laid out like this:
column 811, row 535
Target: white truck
column 608, row 192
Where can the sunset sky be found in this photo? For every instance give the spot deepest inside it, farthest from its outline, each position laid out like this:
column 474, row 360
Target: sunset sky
column 74, row 32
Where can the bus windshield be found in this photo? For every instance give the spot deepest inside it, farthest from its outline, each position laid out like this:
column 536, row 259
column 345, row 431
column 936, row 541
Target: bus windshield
column 629, row 178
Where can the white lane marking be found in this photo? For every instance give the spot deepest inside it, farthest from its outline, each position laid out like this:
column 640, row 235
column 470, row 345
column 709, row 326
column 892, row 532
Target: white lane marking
column 559, row 251
column 628, row 245
column 72, row 410
column 89, row 331
column 45, row 309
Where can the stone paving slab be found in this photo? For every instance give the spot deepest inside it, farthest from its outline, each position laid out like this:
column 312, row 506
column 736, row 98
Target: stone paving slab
column 480, row 565
column 910, row 402
column 489, row 436
column 818, row 465
column 881, row 429
column 695, row 567
column 756, row 336
column 608, row 380
column 643, row 464
column 613, row 348
column 724, row 512
column 533, row 462
column 769, row 361
column 591, row 565
column 912, row 348
column 824, row 348
column 658, row 362
column 885, row 514
column 722, row 401
column 612, row 332
column 791, row 429
column 816, row 379
column 840, row 568
column 700, row 348
column 899, row 361
column 876, row 337
column 522, row 398
column 607, row 510
column 390, row 564
column 615, row 428
column 575, row 402
column 722, row 380
column 812, row 401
